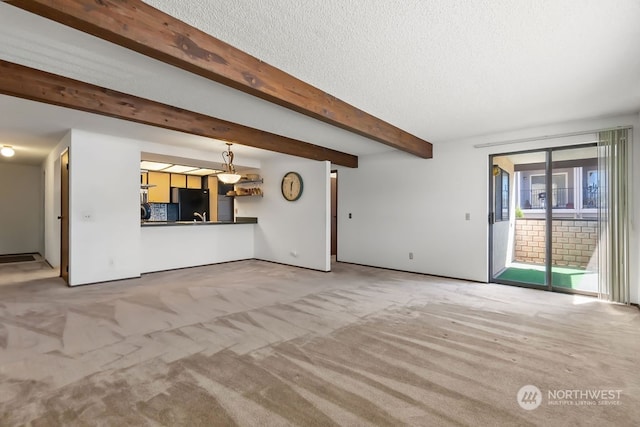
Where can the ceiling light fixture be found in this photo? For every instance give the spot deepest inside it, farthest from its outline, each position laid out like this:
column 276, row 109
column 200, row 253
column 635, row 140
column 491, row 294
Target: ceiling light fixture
column 7, row 151
column 229, row 176
column 153, row 166
column 203, row 172
column 146, row 166
column 179, row 169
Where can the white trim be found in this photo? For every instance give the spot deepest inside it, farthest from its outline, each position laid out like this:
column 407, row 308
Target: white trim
column 544, row 137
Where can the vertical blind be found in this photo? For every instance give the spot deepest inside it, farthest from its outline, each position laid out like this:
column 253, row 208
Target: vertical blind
column 613, row 224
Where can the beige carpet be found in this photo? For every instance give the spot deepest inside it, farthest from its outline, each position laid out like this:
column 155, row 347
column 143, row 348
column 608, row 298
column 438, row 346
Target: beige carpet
column 19, row 272
column 259, row 344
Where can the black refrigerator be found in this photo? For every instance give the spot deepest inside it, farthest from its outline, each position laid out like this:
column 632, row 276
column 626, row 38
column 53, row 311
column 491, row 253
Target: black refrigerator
column 225, row 203
column 191, row 201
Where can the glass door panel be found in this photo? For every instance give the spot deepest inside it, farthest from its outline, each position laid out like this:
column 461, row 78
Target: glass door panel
column 518, row 228
column 574, row 222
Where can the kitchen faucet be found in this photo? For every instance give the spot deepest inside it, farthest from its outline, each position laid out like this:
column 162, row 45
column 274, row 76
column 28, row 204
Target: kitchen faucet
column 202, row 216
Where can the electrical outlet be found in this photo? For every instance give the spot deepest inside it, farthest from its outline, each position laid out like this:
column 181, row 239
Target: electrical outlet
column 349, row 215
column 467, row 216
column 410, row 255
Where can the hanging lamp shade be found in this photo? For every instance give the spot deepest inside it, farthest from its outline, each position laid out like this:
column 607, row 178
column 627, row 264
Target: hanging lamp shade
column 7, row 151
column 229, row 176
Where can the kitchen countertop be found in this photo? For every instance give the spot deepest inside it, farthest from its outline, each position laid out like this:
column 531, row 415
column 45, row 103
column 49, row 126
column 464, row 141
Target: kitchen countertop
column 239, row 220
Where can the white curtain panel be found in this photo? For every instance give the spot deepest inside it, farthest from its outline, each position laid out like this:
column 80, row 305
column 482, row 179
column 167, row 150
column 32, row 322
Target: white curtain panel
column 613, row 248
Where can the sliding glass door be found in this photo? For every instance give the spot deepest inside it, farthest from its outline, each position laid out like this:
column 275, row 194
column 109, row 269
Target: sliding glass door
column 548, row 236
column 574, row 220
column 519, row 239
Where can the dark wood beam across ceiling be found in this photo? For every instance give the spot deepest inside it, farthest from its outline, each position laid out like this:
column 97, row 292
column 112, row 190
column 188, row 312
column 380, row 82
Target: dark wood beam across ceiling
column 137, row 26
column 29, row 83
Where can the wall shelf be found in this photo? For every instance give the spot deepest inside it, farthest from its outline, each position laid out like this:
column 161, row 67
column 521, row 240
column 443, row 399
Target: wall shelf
column 255, row 181
column 254, row 190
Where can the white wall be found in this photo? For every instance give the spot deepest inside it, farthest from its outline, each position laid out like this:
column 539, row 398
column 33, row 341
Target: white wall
column 424, row 211
column 51, row 171
column 179, row 246
column 635, row 215
column 295, row 233
column 106, row 242
column 104, row 215
column 21, row 208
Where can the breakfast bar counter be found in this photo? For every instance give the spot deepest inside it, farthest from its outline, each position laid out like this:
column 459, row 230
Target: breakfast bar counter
column 172, row 245
column 239, row 220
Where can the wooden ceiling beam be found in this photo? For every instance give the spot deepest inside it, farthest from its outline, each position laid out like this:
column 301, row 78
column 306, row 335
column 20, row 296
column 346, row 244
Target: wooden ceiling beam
column 29, row 83
column 137, row 26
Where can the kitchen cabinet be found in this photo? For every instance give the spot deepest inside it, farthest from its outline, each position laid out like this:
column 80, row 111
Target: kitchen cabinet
column 159, row 184
column 212, row 185
column 194, row 181
column 178, row 180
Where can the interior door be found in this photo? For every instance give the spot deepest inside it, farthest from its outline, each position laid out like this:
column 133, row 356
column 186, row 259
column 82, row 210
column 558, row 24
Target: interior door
column 64, row 216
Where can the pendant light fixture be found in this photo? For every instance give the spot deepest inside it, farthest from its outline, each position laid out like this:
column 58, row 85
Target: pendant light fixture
column 7, row 151
column 229, row 176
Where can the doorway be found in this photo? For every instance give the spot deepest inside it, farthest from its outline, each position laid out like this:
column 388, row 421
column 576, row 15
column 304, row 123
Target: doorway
column 544, row 219
column 64, row 216
column 334, row 215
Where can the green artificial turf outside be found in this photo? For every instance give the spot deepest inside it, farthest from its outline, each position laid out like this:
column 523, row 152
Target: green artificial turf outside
column 564, row 277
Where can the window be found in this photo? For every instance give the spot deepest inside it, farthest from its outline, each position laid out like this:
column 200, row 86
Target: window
column 501, row 194
column 561, row 194
column 590, row 190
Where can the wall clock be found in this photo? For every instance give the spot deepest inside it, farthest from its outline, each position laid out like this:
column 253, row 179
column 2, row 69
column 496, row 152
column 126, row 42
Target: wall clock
column 292, row 186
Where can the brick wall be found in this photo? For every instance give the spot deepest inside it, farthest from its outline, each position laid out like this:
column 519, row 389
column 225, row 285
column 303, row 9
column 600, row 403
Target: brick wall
column 573, row 243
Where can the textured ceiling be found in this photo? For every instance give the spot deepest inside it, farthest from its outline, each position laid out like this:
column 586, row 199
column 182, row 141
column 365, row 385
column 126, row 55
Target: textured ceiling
column 444, row 69
column 30, row 40
column 440, row 69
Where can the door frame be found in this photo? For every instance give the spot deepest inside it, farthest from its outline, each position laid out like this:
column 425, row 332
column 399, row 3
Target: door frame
column 64, row 215
column 333, row 207
column 548, row 286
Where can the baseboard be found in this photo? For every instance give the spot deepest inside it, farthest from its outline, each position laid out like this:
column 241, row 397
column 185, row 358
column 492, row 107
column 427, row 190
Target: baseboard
column 414, row 272
column 196, row 266
column 291, row 265
column 22, row 253
column 105, row 282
